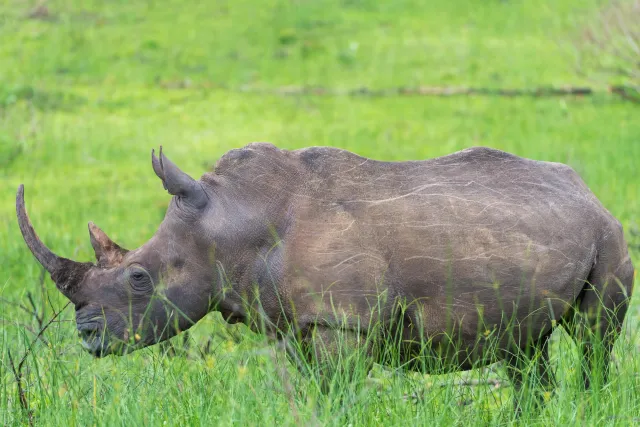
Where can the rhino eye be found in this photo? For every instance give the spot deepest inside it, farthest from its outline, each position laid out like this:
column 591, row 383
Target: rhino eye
column 137, row 276
column 139, row 279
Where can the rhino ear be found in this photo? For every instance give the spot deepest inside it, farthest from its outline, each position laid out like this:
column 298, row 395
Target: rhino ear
column 108, row 253
column 178, row 183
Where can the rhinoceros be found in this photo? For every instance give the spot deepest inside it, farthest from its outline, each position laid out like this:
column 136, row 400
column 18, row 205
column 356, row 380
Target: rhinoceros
column 316, row 241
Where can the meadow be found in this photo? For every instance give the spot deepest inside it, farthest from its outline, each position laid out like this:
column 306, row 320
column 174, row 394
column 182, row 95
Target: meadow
column 88, row 88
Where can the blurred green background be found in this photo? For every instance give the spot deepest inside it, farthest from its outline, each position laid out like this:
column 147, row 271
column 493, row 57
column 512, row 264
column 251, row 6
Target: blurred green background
column 87, row 88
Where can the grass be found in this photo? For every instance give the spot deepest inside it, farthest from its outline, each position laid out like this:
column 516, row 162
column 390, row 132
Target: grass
column 88, row 88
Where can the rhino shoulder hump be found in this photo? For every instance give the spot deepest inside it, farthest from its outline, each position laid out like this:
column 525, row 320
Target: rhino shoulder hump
column 261, row 146
column 485, row 152
column 311, row 154
column 319, row 158
column 236, row 157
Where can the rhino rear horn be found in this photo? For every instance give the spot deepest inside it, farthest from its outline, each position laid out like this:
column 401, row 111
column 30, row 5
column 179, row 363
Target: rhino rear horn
column 67, row 274
column 176, row 182
column 108, row 253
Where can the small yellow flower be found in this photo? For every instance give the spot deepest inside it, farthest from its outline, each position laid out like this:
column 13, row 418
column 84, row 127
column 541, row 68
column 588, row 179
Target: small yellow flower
column 547, row 396
column 487, row 332
column 242, row 371
column 62, row 391
column 210, row 362
column 137, row 337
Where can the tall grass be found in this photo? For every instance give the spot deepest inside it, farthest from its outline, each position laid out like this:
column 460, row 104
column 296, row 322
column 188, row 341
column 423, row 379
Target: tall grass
column 244, row 377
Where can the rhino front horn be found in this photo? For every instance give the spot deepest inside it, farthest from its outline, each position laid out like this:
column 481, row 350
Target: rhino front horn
column 177, row 182
column 67, row 274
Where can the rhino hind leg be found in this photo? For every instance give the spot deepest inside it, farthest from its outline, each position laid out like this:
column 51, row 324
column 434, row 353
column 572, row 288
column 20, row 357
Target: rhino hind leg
column 530, row 372
column 597, row 324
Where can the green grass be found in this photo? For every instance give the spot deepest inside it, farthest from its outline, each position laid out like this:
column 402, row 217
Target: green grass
column 86, row 92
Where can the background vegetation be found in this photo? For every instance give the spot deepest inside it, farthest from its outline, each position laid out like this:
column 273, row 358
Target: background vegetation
column 87, row 88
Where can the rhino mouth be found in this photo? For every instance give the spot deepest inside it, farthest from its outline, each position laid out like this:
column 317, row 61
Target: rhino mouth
column 94, row 340
column 99, row 343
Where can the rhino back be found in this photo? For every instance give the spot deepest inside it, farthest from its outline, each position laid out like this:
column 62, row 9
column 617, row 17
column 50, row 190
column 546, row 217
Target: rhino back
column 465, row 235
column 473, row 231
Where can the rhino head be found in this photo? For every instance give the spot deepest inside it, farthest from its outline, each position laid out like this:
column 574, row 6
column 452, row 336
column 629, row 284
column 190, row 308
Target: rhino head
column 130, row 299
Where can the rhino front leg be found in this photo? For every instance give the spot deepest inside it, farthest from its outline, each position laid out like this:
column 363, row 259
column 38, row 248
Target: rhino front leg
column 337, row 358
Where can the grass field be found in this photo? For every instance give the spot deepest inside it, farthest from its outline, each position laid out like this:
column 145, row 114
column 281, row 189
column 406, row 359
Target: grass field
column 88, row 88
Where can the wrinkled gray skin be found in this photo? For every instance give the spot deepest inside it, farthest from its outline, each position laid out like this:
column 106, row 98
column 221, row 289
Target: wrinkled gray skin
column 479, row 240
